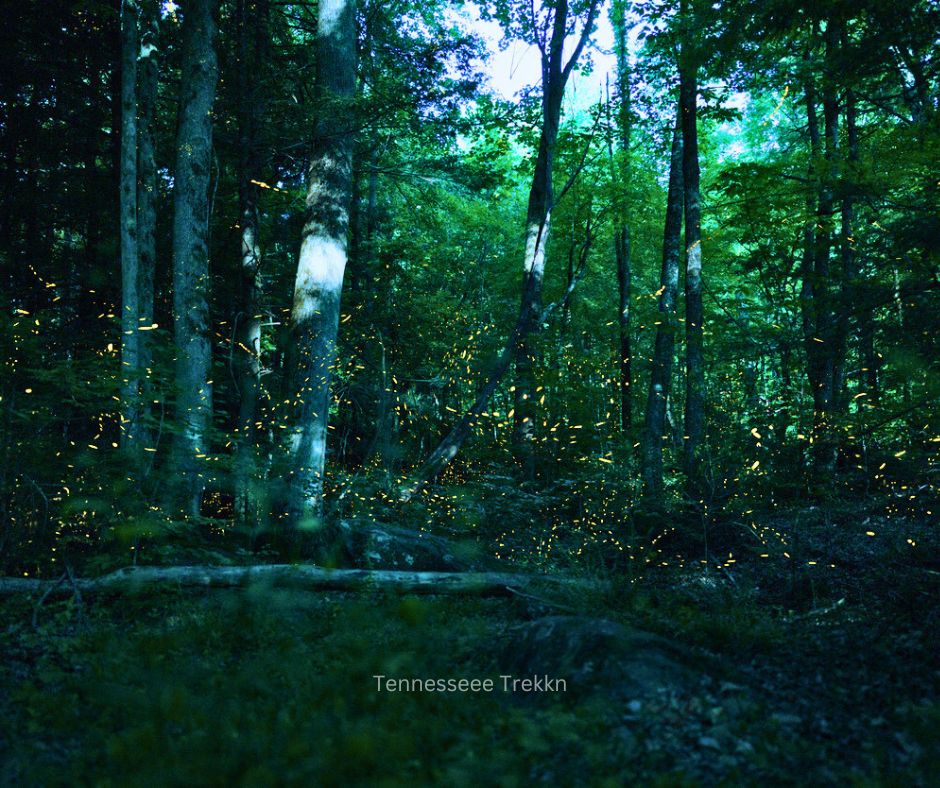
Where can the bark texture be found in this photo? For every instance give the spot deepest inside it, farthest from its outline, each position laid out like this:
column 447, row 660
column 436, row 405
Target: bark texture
column 537, row 226
column 848, row 327
column 819, row 302
column 251, row 21
column 147, row 74
column 622, row 233
column 322, row 262
column 694, row 315
column 130, row 304
column 191, row 319
column 654, row 428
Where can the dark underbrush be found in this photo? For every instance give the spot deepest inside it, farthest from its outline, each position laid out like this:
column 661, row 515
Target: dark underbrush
column 813, row 665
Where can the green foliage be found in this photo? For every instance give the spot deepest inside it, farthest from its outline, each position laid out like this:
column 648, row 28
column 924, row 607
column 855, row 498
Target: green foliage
column 773, row 560
column 245, row 689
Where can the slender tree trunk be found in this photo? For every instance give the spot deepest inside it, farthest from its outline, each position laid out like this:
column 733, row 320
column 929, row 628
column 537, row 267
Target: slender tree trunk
column 114, row 149
column 622, row 233
column 322, row 261
column 191, row 320
column 555, row 73
column 808, row 304
column 661, row 371
column 624, row 280
column 751, row 365
column 820, row 335
column 385, row 441
column 372, row 199
column 870, row 357
column 251, row 21
column 148, row 69
column 825, row 445
column 91, row 199
column 849, row 259
column 569, row 280
column 248, row 355
column 695, row 363
column 902, row 328
column 538, row 222
column 524, row 406
column 811, row 300
column 130, row 305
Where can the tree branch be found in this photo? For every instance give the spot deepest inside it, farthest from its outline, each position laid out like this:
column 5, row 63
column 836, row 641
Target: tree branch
column 585, row 34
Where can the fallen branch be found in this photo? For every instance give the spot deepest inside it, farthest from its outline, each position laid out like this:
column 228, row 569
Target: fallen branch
column 302, row 577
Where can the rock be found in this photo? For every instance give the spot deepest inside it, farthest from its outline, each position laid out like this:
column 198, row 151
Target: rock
column 594, row 653
column 369, row 545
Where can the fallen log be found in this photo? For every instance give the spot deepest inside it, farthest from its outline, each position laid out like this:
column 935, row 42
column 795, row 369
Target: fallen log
column 301, row 577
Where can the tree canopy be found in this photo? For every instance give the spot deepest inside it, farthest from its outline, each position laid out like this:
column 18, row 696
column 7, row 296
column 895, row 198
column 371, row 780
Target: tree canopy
column 276, row 272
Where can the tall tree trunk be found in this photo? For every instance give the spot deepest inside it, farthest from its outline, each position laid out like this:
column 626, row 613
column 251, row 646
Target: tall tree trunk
column 661, row 371
column 820, row 335
column 849, row 258
column 825, row 445
column 385, row 440
column 191, row 320
column 695, row 364
column 114, row 78
column 251, row 21
column 624, row 283
column 538, row 222
column 555, row 74
column 622, row 232
column 569, row 281
column 322, row 261
column 538, row 219
column 130, row 304
column 148, row 69
column 808, row 304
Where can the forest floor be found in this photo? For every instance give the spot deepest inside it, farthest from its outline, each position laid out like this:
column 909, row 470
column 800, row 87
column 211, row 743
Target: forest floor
column 790, row 677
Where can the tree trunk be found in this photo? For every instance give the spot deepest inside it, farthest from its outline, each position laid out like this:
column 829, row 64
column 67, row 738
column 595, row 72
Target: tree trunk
column 555, row 73
column 849, row 259
column 191, row 320
column 808, row 304
column 251, row 21
column 622, row 253
column 622, row 233
column 385, row 441
column 538, row 222
column 661, row 370
column 818, row 306
column 695, row 364
column 322, row 261
column 825, row 445
column 130, row 304
column 148, row 69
